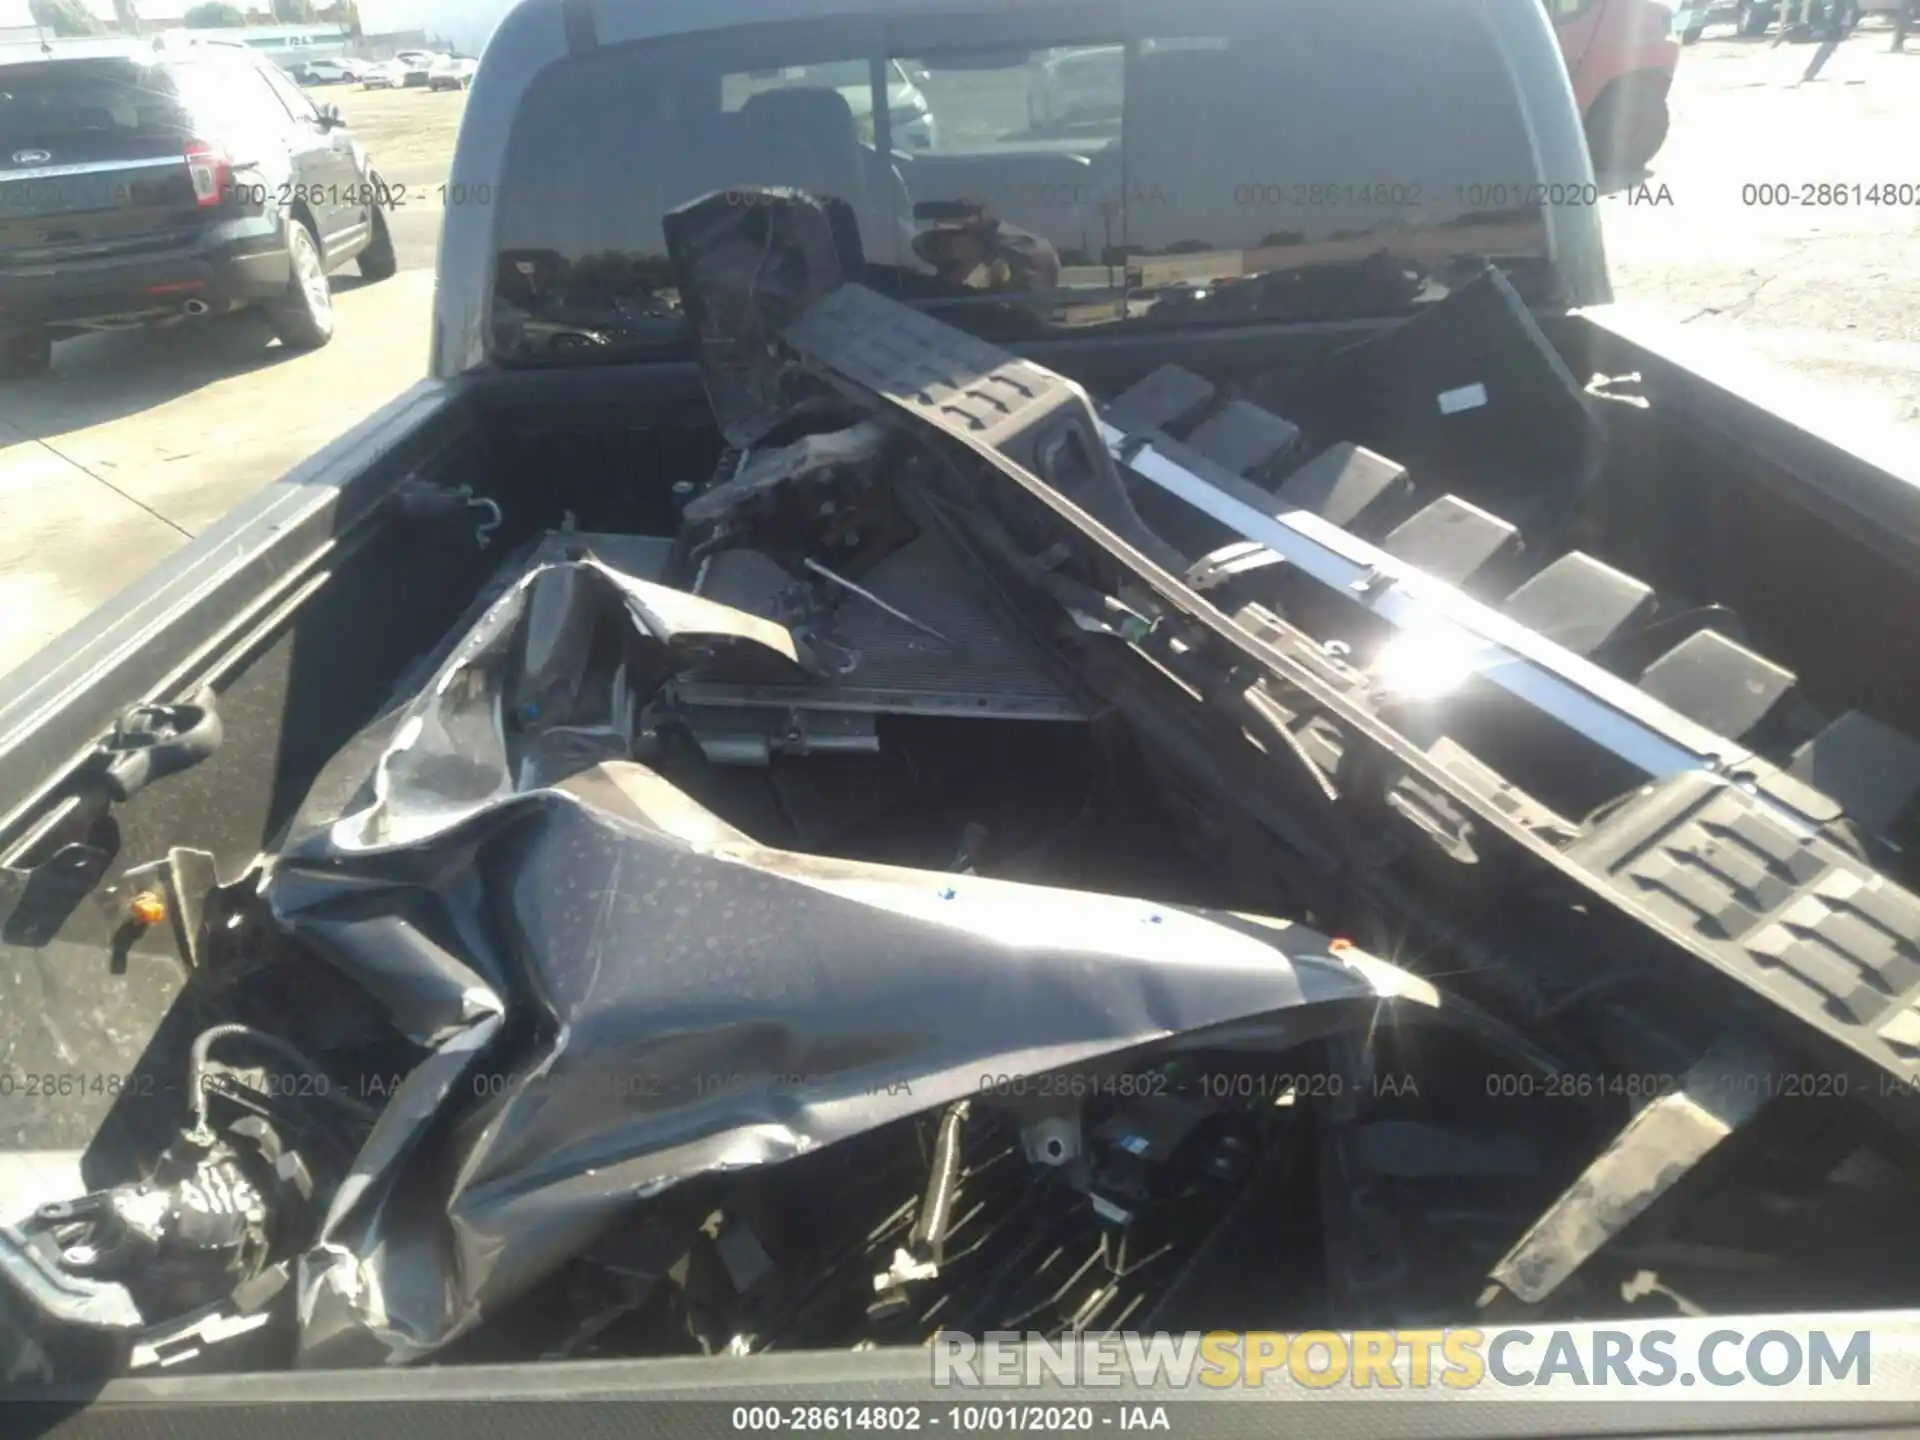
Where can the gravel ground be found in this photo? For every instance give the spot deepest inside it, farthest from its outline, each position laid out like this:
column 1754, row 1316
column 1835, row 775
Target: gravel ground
column 1826, row 284
column 409, row 133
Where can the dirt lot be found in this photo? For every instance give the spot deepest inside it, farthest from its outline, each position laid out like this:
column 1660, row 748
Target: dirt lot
column 136, row 442
column 409, row 133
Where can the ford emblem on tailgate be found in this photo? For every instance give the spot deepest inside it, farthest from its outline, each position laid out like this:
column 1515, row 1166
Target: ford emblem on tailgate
column 32, row 157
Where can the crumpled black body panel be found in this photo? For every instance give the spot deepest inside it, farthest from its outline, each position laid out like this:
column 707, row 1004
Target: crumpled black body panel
column 616, row 990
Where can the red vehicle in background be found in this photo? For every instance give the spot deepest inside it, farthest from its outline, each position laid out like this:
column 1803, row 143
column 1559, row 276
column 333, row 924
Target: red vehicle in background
column 1621, row 55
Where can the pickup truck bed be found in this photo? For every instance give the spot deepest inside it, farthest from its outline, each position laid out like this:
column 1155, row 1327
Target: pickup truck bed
column 1725, row 502
column 1695, row 549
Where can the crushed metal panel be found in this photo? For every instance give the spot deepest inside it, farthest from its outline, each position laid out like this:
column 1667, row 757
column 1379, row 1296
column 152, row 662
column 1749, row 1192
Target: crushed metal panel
column 706, row 1005
column 617, row 990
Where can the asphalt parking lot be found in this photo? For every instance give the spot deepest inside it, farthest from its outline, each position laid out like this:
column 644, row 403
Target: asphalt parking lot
column 137, row 441
column 1823, row 289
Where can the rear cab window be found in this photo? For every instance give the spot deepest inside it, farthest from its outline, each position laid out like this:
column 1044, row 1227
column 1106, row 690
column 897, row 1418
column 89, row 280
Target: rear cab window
column 1166, row 165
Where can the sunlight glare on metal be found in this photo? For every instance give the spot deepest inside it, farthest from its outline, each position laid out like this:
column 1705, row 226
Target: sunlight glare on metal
column 1428, row 659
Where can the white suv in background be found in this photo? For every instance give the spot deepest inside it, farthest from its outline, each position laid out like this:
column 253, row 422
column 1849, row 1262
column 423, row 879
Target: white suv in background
column 451, row 72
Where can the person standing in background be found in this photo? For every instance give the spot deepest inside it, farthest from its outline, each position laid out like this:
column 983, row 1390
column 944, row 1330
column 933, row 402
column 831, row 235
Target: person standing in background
column 1902, row 18
column 1837, row 22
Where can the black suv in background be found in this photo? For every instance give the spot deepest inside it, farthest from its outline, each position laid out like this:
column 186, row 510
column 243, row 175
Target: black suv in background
column 167, row 183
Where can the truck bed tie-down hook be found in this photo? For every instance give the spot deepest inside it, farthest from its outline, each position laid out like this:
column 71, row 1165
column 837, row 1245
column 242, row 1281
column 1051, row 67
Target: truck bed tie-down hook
column 483, row 531
column 431, row 501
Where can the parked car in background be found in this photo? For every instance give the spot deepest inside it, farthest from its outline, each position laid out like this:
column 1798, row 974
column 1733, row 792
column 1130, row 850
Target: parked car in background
column 383, row 75
column 415, row 67
column 1621, row 56
column 154, row 188
column 327, row 72
column 451, row 72
column 1075, row 86
column 1080, row 85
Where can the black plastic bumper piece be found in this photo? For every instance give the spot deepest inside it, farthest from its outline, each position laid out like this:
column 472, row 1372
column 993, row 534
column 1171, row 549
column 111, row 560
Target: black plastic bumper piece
column 736, row 302
column 1724, row 868
column 1246, row 439
column 1344, row 483
column 1452, row 540
column 1718, row 683
column 1036, row 418
column 1171, row 398
column 144, row 286
column 1871, row 770
column 1579, row 603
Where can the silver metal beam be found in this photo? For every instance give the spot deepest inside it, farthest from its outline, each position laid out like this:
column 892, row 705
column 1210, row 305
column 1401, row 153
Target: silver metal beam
column 1598, row 705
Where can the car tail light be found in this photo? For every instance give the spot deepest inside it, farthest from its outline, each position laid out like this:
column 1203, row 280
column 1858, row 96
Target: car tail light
column 212, row 173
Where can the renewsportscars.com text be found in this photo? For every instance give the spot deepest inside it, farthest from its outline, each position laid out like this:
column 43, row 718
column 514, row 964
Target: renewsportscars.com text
column 1457, row 1359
